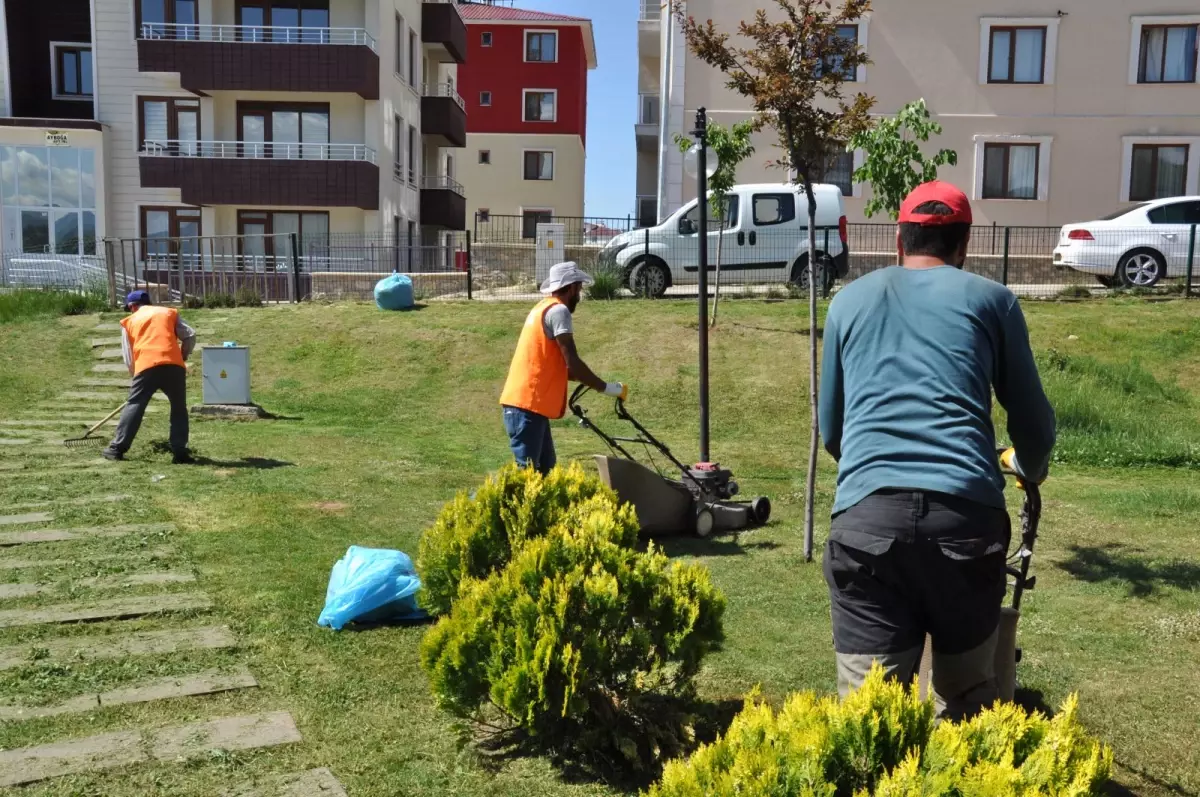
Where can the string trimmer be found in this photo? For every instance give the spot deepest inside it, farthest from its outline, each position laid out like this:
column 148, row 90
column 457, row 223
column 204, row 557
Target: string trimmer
column 87, row 441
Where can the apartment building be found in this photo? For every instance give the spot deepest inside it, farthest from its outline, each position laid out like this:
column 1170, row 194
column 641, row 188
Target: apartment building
column 1058, row 114
column 178, row 118
column 525, row 84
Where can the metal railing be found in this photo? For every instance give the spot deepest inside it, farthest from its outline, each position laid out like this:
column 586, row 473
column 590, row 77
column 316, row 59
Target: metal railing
column 399, row 172
column 257, row 150
column 648, row 109
column 651, row 11
column 443, row 183
column 256, row 34
column 443, row 89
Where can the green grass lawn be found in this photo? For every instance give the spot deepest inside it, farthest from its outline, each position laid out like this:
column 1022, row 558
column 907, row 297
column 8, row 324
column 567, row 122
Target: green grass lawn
column 385, row 416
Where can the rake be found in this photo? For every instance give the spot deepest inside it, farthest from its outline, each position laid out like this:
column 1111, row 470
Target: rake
column 86, row 440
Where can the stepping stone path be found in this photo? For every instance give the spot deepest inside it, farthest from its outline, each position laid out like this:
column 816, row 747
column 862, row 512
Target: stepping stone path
column 176, row 630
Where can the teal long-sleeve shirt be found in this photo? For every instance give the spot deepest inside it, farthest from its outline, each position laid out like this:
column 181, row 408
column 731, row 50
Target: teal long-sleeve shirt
column 911, row 358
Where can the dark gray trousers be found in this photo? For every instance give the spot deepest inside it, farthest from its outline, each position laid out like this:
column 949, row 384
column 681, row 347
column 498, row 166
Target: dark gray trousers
column 171, row 380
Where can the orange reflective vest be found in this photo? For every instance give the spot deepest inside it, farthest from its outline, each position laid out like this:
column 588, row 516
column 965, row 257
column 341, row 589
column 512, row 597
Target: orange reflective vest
column 537, row 378
column 152, row 336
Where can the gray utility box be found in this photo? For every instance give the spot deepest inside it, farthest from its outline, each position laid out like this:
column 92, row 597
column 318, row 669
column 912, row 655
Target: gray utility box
column 226, row 374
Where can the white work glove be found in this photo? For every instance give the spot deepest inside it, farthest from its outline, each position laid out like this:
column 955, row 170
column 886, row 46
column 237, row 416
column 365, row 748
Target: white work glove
column 616, row 390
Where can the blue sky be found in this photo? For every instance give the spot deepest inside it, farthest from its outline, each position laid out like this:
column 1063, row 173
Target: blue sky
column 612, row 101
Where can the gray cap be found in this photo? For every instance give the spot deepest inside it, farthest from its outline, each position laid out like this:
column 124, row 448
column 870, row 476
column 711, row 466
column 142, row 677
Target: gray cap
column 564, row 274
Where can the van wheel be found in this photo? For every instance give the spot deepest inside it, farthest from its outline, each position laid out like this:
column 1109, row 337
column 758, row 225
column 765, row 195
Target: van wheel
column 825, row 270
column 649, row 279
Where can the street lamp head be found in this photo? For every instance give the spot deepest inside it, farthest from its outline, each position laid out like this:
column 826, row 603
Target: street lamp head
column 691, row 161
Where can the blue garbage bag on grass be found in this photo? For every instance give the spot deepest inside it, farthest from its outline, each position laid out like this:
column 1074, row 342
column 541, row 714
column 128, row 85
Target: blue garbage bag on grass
column 394, row 292
column 371, row 585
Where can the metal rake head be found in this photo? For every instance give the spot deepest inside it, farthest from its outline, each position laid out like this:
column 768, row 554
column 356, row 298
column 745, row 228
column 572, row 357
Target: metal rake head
column 78, row 443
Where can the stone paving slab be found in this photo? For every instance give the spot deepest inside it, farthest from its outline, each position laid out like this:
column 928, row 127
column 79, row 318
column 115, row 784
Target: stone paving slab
column 83, row 532
column 42, row 422
column 15, row 441
column 115, row 609
column 10, row 591
column 64, row 468
column 82, row 501
column 76, row 412
column 313, row 783
column 163, row 552
column 209, row 682
column 109, row 354
column 30, row 517
column 117, row 646
column 110, row 382
column 123, row 580
column 99, row 343
column 107, row 326
column 111, row 750
column 110, row 368
column 114, row 399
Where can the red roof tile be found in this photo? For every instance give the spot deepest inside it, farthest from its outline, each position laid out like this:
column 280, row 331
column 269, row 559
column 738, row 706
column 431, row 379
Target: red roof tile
column 472, row 11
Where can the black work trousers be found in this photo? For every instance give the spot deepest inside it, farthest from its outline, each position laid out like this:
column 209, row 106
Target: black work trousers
column 171, row 380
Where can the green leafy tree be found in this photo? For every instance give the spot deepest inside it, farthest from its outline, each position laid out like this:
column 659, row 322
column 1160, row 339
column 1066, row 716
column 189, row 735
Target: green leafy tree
column 893, row 162
column 792, row 70
column 733, row 146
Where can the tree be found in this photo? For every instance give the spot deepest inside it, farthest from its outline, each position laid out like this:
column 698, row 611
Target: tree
column 893, row 162
column 732, row 146
column 792, row 71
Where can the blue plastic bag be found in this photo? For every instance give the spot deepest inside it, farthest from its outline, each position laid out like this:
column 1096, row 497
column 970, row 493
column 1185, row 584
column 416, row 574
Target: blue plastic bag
column 371, row 585
column 394, row 292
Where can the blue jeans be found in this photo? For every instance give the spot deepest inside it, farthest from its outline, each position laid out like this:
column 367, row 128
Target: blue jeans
column 529, row 438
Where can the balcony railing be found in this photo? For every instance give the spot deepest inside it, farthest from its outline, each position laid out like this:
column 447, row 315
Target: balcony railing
column 256, row 34
column 443, row 183
column 648, row 108
column 257, row 150
column 444, row 89
column 651, row 11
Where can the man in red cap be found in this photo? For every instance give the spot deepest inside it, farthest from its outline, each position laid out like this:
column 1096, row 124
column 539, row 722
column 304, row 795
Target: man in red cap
column 920, row 534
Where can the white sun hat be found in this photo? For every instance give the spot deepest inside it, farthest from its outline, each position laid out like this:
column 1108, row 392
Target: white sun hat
column 564, row 274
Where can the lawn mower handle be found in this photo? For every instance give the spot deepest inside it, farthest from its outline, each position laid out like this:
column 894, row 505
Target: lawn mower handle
column 1031, row 516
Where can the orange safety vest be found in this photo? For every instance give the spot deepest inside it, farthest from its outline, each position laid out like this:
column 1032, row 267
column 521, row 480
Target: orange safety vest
column 537, row 378
column 152, row 336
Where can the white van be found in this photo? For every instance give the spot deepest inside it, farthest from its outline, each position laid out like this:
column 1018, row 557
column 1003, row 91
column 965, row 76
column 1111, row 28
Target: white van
column 765, row 240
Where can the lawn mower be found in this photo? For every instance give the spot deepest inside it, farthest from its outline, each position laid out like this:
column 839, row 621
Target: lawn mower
column 1017, row 567
column 702, row 500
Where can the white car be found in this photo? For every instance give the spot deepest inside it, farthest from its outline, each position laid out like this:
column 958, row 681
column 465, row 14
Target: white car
column 1135, row 247
column 765, row 240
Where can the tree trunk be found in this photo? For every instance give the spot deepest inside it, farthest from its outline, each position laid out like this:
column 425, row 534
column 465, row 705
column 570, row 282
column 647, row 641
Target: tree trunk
column 717, row 283
column 810, row 485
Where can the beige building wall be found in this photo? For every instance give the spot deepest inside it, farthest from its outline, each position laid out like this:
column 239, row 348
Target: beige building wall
column 500, row 187
column 343, row 220
column 1086, row 115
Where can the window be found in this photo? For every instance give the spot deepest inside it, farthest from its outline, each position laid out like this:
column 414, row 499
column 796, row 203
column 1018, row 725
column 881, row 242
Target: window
column 72, row 71
column 48, row 199
column 1017, row 55
column 167, row 19
column 1167, row 54
column 540, row 106
column 841, row 173
column 1176, row 213
column 399, row 66
column 485, row 98
column 1158, row 171
column 169, row 125
column 171, row 233
column 834, row 62
column 411, row 149
column 691, row 219
column 541, row 46
column 484, row 215
column 267, row 234
column 283, row 130
column 1010, row 171
column 530, row 219
column 285, row 21
column 539, row 165
column 485, row 156
column 414, row 46
column 398, row 149
column 772, row 209
column 485, row 39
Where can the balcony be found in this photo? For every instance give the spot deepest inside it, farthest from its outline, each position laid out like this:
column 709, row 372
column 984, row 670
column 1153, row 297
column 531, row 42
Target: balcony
column 443, row 116
column 443, row 31
column 646, row 128
column 249, row 58
column 443, row 203
column 649, row 26
column 257, row 173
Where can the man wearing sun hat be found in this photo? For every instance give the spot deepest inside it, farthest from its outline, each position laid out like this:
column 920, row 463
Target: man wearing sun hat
column 920, row 534
column 546, row 359
column 155, row 343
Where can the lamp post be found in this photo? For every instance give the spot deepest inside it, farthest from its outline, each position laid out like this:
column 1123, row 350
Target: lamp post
column 701, row 162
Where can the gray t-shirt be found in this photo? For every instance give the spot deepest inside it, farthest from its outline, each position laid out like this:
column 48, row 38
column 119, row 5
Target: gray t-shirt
column 557, row 321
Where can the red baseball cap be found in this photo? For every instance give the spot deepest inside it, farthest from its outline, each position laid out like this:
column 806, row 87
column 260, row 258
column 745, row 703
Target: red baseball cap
column 936, row 191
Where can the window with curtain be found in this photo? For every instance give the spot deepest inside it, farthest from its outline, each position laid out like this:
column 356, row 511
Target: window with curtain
column 167, row 19
column 539, row 165
column 539, row 106
column 284, row 130
column 841, row 173
column 1018, row 55
column 169, row 125
column 1158, row 171
column 1010, row 171
column 1168, row 54
column 268, row 232
column 530, row 219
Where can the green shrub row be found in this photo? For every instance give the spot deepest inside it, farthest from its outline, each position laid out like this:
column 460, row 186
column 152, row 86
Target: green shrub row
column 36, row 302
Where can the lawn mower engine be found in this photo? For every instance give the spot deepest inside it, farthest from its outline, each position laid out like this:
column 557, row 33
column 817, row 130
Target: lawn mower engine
column 703, row 500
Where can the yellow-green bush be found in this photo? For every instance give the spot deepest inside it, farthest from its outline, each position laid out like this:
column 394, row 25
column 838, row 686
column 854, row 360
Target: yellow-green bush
column 580, row 644
column 881, row 742
column 477, row 534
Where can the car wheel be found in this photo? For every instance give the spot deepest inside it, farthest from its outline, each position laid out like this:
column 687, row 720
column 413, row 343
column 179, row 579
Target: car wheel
column 649, row 280
column 1107, row 282
column 824, row 270
column 1141, row 269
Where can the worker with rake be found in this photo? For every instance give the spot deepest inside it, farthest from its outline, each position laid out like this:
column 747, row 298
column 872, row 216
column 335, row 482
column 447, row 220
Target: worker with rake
column 155, row 343
column 546, row 359
column 919, row 537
